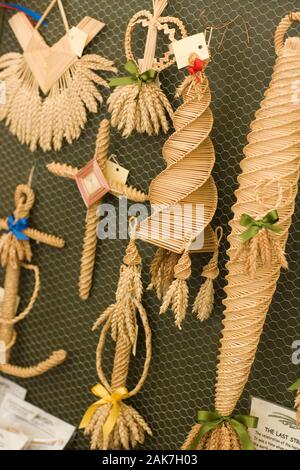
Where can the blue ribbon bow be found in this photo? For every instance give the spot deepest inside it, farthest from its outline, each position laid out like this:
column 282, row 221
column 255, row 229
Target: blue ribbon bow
column 17, row 227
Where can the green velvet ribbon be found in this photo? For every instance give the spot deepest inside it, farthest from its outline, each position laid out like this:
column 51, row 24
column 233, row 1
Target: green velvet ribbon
column 254, row 226
column 295, row 386
column 134, row 77
column 211, row 420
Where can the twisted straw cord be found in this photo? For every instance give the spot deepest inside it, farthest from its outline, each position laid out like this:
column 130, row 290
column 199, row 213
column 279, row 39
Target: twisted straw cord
column 189, row 148
column 282, row 29
column 63, row 170
column 56, row 358
column 23, row 315
column 88, row 253
column 272, row 153
column 102, row 143
column 38, row 236
column 130, row 192
column 121, row 363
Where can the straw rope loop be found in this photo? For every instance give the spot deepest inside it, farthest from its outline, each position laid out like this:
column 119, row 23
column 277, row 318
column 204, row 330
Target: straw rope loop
column 283, row 28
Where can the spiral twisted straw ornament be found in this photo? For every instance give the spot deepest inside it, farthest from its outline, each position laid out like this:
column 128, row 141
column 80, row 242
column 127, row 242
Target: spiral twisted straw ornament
column 176, row 195
column 272, row 153
column 143, row 107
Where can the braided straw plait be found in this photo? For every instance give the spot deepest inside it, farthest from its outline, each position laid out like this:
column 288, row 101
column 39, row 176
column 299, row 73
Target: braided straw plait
column 190, row 157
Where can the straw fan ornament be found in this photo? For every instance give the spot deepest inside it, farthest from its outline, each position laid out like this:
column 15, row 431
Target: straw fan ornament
column 262, row 219
column 138, row 103
column 58, row 82
column 15, row 255
column 111, row 422
column 93, row 183
column 185, row 183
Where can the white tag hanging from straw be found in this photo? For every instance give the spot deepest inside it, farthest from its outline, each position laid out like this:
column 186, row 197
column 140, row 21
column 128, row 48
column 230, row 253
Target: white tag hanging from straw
column 115, row 172
column 195, row 44
column 78, row 39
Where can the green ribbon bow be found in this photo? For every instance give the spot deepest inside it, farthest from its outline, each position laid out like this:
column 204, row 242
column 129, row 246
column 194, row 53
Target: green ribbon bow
column 254, row 226
column 211, row 420
column 134, row 77
column 295, row 386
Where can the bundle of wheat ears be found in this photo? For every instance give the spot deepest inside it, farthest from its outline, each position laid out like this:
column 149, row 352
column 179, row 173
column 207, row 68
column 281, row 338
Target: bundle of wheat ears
column 15, row 254
column 110, row 422
column 59, row 85
column 273, row 154
column 186, row 182
column 138, row 103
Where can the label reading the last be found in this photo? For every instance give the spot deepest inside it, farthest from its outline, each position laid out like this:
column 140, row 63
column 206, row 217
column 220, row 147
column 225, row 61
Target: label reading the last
column 277, row 428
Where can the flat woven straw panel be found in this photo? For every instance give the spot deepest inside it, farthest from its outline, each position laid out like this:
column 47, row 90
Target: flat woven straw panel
column 182, row 375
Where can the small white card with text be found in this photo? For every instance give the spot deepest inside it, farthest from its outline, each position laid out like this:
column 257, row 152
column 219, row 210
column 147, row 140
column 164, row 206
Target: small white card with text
column 277, row 428
column 195, row 44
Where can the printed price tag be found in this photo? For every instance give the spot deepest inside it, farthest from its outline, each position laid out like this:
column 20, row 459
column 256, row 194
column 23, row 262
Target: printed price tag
column 7, row 386
column 277, row 428
column 191, row 45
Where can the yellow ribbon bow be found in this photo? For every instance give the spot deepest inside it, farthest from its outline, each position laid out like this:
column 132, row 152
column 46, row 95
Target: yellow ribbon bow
column 105, row 397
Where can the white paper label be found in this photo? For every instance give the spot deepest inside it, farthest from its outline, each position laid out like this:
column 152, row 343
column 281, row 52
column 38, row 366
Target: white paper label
column 191, row 45
column 12, row 441
column 2, row 92
column 115, row 172
column 78, row 39
column 7, row 386
column 45, row 431
column 277, row 428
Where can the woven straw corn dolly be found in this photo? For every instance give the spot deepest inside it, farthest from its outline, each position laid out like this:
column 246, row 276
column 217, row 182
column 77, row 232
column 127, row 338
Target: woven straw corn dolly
column 186, row 182
column 15, row 254
column 67, row 82
column 92, row 219
column 138, row 103
column 110, row 422
column 272, row 154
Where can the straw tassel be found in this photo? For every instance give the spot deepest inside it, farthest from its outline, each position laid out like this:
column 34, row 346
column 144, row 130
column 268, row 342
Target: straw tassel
column 204, row 302
column 177, row 295
column 129, row 292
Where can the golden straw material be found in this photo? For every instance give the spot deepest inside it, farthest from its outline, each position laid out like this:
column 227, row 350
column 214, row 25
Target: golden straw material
column 184, row 201
column 187, row 181
column 297, row 406
column 140, row 105
column 273, row 154
column 15, row 254
column 127, row 427
column 59, row 85
column 92, row 218
column 204, row 302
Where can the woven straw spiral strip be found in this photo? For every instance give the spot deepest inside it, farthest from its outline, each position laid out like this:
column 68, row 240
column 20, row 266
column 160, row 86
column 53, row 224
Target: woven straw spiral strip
column 190, row 157
column 273, row 153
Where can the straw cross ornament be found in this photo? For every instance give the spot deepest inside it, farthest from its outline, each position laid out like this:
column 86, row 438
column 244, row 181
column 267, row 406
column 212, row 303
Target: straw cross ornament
column 92, row 218
column 15, row 254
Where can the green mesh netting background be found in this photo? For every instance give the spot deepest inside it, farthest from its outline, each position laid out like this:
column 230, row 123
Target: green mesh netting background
column 182, row 374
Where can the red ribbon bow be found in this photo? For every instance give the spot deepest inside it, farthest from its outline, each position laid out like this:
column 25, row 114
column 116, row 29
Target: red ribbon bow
column 196, row 68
